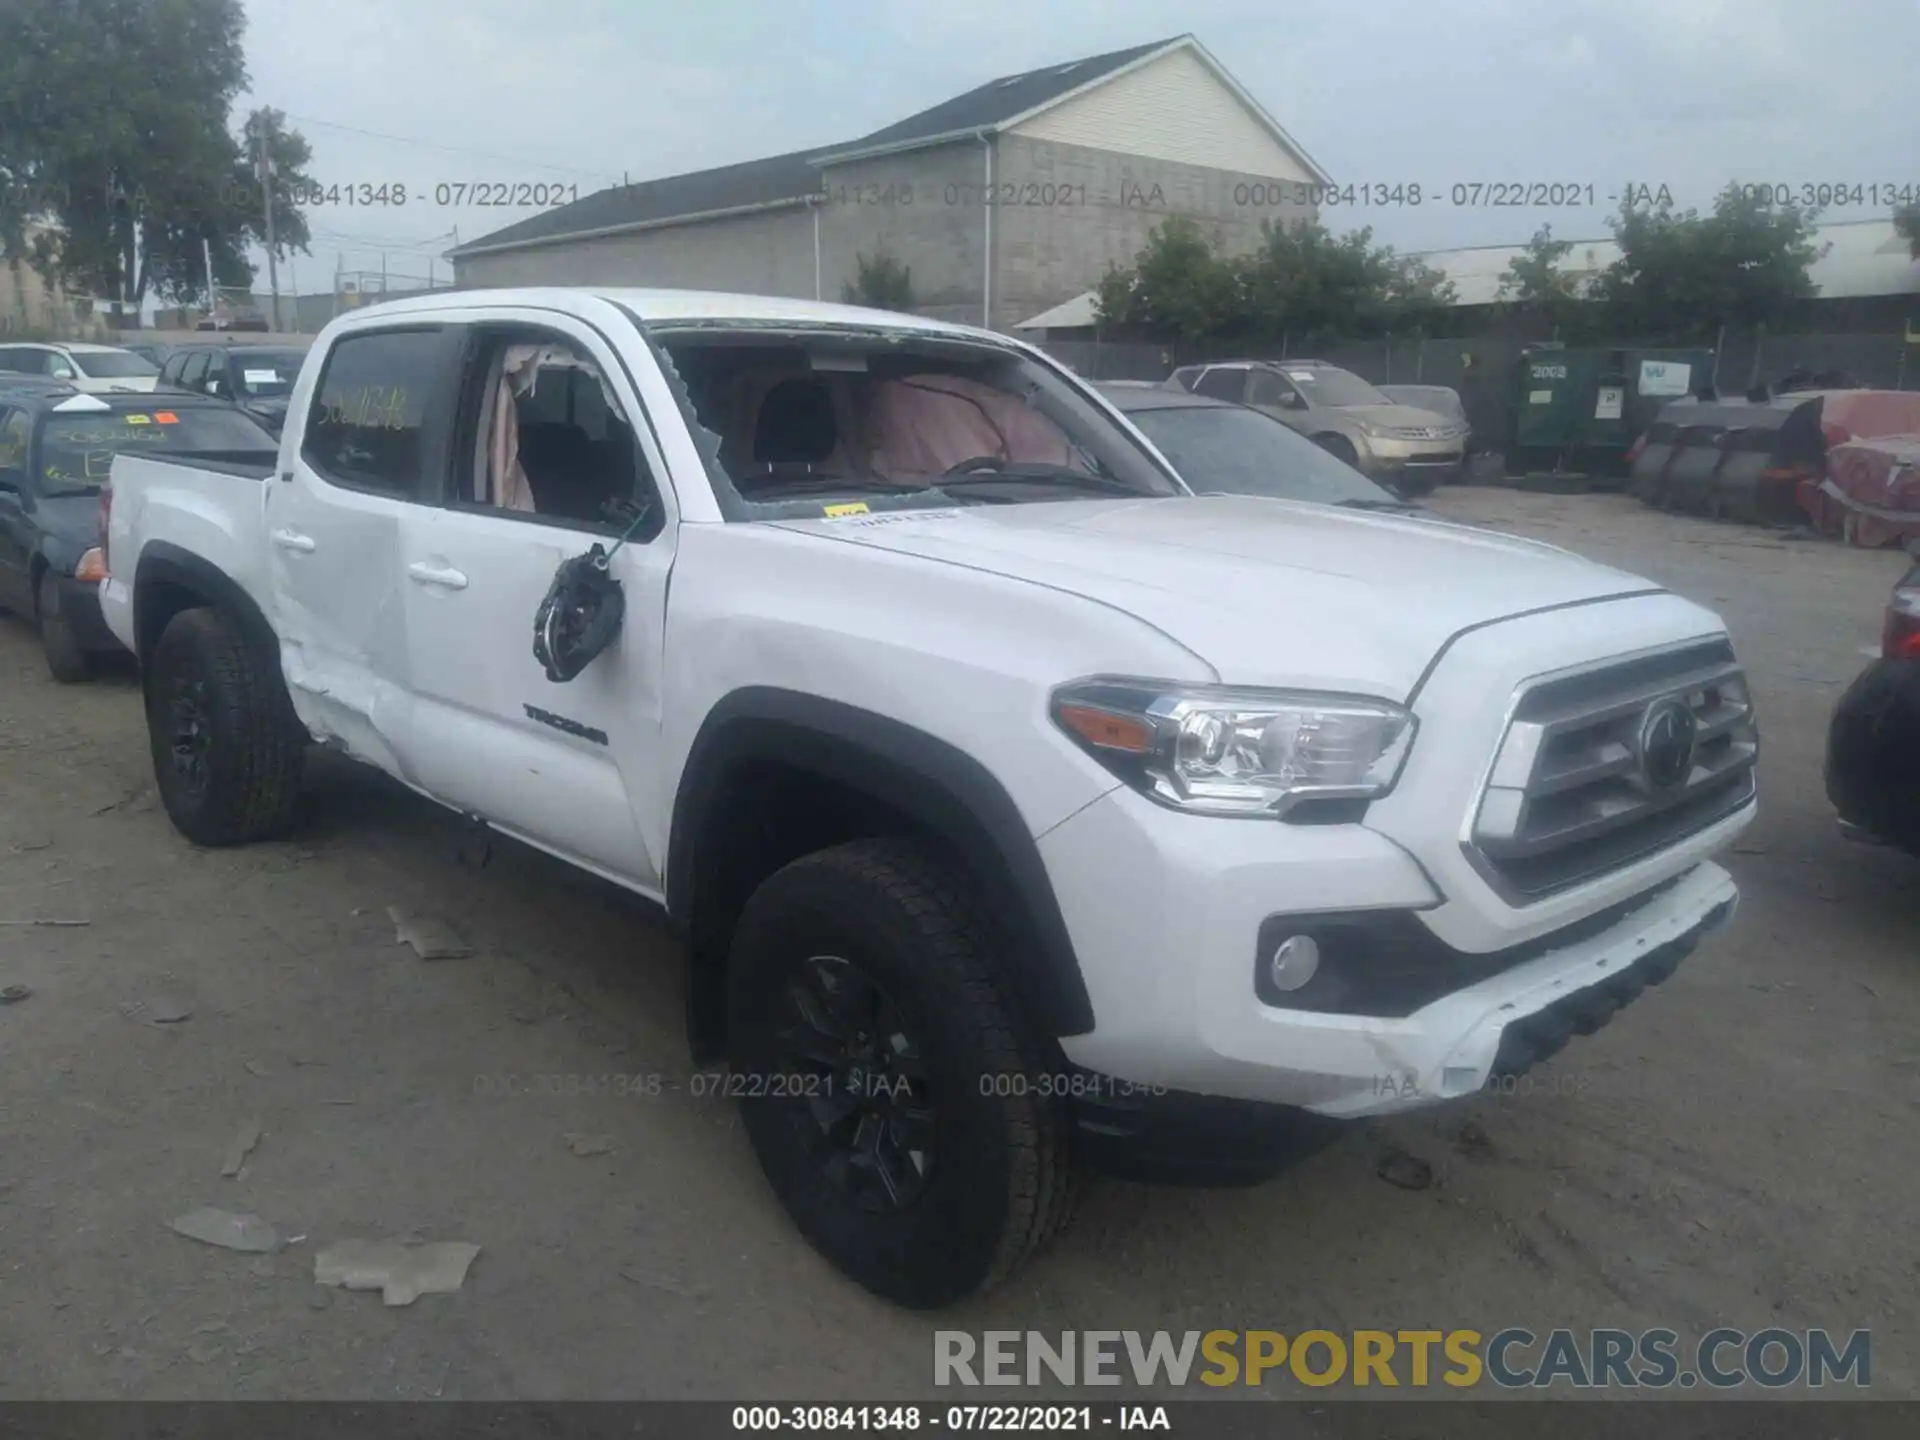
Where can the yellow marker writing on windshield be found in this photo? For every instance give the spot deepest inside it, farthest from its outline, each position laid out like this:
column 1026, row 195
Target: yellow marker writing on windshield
column 857, row 507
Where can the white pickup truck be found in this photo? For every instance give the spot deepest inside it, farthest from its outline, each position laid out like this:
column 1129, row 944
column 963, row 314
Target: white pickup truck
column 1023, row 812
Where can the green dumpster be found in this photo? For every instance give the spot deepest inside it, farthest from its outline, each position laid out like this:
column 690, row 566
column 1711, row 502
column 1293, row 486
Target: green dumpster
column 1580, row 409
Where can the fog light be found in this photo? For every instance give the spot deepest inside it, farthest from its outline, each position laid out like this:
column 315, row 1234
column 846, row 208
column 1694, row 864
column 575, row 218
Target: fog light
column 1295, row 960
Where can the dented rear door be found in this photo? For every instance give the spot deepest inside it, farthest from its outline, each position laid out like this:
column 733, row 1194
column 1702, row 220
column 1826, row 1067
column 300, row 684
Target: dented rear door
column 373, row 439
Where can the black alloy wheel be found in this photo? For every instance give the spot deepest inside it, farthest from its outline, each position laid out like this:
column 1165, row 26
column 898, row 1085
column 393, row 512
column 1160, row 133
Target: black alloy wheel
column 862, row 1077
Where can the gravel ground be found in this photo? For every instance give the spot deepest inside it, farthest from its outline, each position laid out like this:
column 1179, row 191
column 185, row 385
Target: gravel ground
column 1737, row 1148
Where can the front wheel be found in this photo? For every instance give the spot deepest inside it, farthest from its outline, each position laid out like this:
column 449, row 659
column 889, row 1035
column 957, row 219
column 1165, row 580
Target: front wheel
column 887, row 1082
column 226, row 757
column 1339, row 447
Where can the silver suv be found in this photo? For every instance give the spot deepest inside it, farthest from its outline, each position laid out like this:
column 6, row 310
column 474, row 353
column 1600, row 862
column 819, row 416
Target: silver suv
column 1412, row 450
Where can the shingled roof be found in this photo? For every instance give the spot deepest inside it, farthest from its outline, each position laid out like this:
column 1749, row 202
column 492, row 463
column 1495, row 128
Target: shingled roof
column 774, row 180
column 793, row 179
column 998, row 101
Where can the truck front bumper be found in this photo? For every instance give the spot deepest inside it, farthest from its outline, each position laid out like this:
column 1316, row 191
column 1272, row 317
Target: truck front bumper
column 1395, row 1019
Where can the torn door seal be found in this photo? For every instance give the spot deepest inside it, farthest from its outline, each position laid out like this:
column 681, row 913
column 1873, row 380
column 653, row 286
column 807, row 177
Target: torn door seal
column 580, row 616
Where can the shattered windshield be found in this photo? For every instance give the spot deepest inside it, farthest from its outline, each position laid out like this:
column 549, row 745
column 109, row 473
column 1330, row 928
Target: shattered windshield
column 827, row 421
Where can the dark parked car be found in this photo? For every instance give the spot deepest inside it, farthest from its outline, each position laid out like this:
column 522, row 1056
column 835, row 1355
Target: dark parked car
column 258, row 378
column 1399, row 445
column 1873, row 744
column 55, row 447
column 1220, row 448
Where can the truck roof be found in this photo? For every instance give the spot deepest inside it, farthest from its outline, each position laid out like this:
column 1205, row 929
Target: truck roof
column 666, row 307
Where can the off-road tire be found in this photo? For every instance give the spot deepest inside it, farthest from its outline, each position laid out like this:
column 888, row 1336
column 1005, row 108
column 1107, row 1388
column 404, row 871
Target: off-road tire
column 254, row 752
column 1002, row 1181
column 67, row 658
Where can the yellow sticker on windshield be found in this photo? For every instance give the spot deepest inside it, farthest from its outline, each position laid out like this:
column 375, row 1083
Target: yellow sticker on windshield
column 856, row 507
column 138, row 419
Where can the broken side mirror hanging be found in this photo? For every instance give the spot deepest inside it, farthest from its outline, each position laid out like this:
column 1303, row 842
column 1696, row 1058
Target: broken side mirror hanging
column 580, row 616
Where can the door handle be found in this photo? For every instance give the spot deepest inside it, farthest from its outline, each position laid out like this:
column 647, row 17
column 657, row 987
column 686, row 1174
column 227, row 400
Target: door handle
column 424, row 574
column 293, row 540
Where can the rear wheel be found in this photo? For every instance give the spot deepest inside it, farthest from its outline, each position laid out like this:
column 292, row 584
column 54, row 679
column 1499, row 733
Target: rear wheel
column 888, row 1087
column 66, row 656
column 226, row 757
column 1339, row 447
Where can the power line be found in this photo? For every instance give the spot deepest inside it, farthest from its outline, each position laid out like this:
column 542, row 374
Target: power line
column 447, row 149
column 338, row 238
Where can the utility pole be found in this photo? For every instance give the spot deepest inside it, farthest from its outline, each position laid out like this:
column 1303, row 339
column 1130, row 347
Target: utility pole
column 266, row 193
column 213, row 295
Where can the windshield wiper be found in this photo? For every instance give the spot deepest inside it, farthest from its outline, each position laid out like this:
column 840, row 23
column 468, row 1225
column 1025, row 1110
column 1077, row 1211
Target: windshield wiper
column 1061, row 475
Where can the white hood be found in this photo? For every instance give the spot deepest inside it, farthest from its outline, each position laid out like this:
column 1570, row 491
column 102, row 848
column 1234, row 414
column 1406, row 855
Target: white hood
column 1267, row 592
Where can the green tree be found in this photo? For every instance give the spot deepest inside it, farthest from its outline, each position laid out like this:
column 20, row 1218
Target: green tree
column 1906, row 220
column 114, row 136
column 1535, row 285
column 1309, row 284
column 1302, row 282
column 1682, row 275
column 1178, row 288
column 880, row 282
column 1420, row 299
column 265, row 132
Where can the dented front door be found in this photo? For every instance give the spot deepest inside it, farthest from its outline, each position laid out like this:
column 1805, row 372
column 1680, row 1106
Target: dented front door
column 559, row 764
column 498, row 739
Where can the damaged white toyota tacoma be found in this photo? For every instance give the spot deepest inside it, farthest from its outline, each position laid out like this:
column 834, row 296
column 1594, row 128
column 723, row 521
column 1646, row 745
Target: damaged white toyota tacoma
column 1023, row 813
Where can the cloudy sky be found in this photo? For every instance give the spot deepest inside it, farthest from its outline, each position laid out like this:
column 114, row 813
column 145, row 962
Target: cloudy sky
column 1686, row 93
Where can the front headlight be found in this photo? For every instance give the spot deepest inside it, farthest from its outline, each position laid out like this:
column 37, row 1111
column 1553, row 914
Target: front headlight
column 1218, row 751
column 1377, row 432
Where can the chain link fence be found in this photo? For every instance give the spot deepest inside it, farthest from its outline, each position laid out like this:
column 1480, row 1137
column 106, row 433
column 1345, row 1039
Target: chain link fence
column 1481, row 370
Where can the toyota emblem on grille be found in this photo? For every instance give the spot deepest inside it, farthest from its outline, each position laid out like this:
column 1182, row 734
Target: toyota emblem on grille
column 1667, row 734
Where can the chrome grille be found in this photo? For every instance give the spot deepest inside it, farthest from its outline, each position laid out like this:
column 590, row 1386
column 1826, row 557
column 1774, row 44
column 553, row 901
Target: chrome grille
column 1593, row 775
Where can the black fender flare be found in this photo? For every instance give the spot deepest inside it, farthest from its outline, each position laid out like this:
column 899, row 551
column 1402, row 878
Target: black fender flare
column 165, row 565
column 55, row 553
column 935, row 783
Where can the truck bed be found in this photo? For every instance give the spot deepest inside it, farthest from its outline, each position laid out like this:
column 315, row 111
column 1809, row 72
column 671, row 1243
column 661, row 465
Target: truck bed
column 212, row 509
column 245, row 464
